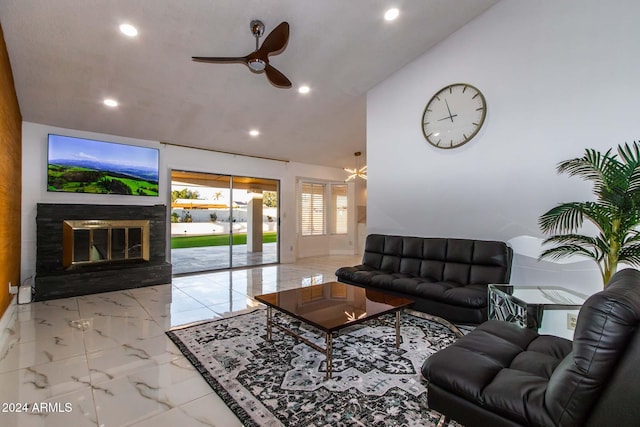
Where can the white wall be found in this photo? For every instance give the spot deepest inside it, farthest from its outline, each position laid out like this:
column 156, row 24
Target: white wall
column 34, row 179
column 558, row 77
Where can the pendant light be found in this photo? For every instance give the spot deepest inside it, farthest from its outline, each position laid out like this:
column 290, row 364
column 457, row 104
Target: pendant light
column 357, row 172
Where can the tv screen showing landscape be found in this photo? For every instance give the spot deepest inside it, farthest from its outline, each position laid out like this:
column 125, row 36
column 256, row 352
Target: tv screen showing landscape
column 78, row 165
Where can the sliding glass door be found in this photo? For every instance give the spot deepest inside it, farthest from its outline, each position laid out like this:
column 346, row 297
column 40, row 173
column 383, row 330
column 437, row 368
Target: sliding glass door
column 222, row 221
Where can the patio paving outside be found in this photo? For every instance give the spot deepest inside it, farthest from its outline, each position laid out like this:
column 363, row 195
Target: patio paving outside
column 192, row 260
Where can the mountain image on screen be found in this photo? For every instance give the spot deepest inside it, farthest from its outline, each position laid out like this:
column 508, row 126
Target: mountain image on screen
column 140, row 172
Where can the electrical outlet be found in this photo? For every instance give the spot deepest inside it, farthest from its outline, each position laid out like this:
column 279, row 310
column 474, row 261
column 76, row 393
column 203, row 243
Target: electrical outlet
column 571, row 321
column 13, row 289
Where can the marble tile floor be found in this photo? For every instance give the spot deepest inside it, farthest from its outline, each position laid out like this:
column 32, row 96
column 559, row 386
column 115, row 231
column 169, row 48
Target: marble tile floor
column 104, row 359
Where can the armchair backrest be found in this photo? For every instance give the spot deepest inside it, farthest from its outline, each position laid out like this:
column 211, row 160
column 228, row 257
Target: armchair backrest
column 599, row 379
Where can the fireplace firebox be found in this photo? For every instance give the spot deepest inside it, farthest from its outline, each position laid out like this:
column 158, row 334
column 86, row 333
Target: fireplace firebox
column 91, row 241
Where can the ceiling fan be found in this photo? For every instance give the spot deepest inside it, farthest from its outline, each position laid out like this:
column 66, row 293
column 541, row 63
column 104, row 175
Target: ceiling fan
column 258, row 60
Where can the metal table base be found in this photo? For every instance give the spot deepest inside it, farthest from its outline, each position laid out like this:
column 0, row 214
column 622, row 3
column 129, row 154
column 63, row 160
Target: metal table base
column 328, row 349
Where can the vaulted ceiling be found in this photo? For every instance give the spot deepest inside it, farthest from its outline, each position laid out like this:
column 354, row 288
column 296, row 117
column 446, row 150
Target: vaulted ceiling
column 67, row 56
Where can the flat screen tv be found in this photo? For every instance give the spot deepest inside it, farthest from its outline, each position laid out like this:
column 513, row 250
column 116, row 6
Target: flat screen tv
column 79, row 165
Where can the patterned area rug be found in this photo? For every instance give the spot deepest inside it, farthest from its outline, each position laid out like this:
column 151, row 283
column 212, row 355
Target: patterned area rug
column 283, row 382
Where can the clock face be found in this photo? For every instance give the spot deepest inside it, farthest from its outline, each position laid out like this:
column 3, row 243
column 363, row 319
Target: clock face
column 453, row 116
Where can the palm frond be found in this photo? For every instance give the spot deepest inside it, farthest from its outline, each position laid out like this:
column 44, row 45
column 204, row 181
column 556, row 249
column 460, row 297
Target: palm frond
column 630, row 254
column 631, row 157
column 634, row 179
column 568, row 217
column 601, row 215
column 564, row 217
column 597, row 246
column 588, row 166
column 577, row 239
column 566, row 251
column 630, row 153
column 603, row 245
column 632, row 237
column 629, row 220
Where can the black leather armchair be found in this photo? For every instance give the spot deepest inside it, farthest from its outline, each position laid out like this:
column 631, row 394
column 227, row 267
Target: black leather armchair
column 504, row 375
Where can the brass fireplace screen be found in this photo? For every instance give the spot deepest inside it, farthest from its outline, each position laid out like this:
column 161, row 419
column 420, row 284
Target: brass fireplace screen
column 96, row 241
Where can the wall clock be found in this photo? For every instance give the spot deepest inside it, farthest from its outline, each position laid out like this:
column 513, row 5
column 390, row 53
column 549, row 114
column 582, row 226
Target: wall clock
column 454, row 115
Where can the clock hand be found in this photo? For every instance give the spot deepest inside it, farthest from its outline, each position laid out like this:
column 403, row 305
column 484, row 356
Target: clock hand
column 449, row 110
column 448, row 117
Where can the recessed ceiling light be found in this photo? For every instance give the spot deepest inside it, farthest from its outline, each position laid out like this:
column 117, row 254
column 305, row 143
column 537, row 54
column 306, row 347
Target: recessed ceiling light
column 391, row 14
column 128, row 30
column 110, row 102
column 254, row 132
column 304, row 89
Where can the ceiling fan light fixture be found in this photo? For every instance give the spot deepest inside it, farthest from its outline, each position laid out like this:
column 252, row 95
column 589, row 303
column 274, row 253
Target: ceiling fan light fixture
column 257, row 64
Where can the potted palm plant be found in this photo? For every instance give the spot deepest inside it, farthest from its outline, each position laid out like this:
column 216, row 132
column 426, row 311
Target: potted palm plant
column 615, row 212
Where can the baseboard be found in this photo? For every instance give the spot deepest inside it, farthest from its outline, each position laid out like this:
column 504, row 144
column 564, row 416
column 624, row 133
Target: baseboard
column 342, row 252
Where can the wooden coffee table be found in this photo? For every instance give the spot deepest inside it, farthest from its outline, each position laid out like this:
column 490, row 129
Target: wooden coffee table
column 330, row 307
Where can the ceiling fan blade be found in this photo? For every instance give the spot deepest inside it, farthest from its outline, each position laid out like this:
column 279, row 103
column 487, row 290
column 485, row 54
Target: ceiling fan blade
column 220, row 59
column 276, row 77
column 275, row 42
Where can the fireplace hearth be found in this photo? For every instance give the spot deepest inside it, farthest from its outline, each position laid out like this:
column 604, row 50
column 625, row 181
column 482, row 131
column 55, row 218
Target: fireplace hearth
column 85, row 249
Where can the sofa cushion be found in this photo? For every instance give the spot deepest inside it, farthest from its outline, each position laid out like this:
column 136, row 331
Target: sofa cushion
column 361, row 274
column 473, row 296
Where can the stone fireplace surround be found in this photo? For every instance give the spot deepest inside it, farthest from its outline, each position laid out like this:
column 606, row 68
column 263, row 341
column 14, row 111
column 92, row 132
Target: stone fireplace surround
column 52, row 280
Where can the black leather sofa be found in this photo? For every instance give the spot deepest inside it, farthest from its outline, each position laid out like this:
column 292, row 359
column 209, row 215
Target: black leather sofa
column 502, row 375
column 447, row 278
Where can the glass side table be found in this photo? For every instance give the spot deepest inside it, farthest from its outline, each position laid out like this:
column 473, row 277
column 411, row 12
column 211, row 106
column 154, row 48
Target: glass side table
column 524, row 305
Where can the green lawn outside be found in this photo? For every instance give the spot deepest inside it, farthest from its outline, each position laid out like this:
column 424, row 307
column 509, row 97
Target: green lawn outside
column 180, row 242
